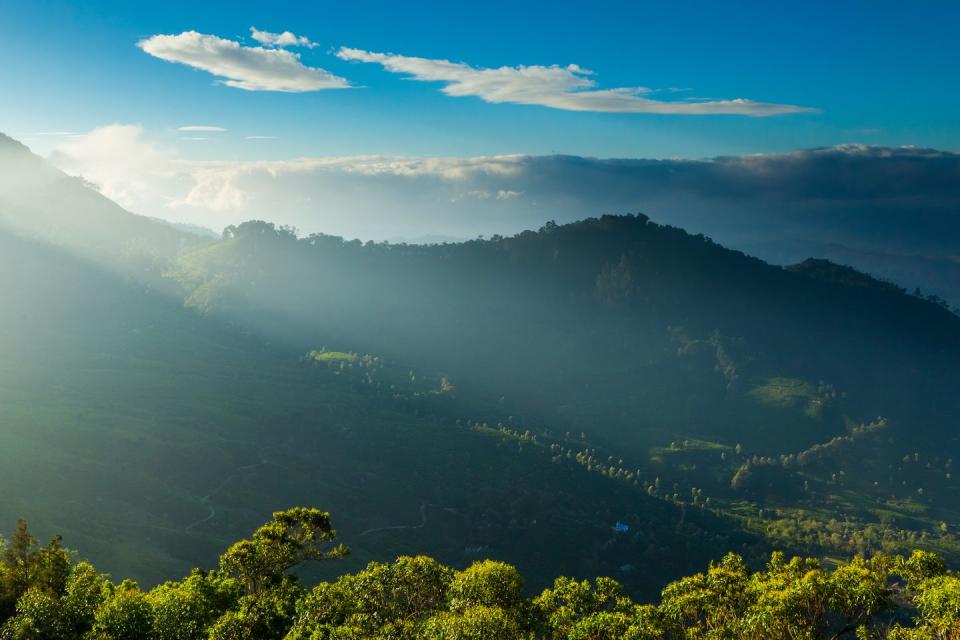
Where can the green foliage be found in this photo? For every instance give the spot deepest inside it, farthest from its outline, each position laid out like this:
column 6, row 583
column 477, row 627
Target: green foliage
column 125, row 615
column 487, row 584
column 643, row 338
column 385, row 598
column 39, row 616
column 573, row 609
column 475, row 622
column 265, row 615
column 417, row 598
column 938, row 600
column 185, row 610
column 291, row 538
column 85, row 593
column 922, row 565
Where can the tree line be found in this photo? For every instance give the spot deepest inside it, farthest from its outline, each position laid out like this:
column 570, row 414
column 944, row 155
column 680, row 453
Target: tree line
column 255, row 593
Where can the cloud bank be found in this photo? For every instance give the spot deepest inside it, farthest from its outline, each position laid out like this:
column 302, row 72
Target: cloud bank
column 570, row 88
column 899, row 197
column 247, row 68
column 891, row 211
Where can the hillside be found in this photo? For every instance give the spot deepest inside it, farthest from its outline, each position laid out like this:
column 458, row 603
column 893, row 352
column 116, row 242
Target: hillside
column 511, row 398
column 206, row 428
column 42, row 202
column 705, row 370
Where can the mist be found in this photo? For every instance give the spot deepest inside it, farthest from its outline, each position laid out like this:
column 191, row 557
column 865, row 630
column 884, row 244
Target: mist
column 893, row 212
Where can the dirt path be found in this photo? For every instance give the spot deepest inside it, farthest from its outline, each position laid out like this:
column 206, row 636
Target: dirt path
column 205, row 500
column 423, row 523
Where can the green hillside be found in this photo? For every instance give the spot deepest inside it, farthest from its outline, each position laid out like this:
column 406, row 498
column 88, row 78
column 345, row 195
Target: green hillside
column 149, row 436
column 610, row 397
column 791, row 399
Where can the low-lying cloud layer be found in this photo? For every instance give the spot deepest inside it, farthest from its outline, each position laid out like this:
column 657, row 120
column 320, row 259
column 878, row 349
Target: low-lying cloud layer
column 248, row 68
column 892, row 211
column 901, row 195
column 569, row 88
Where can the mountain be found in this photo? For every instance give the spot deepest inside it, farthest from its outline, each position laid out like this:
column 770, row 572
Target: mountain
column 42, row 202
column 611, row 396
column 149, row 435
column 608, row 299
column 815, row 394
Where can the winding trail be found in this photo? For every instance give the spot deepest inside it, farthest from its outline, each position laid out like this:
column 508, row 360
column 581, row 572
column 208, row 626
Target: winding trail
column 423, row 523
column 205, row 500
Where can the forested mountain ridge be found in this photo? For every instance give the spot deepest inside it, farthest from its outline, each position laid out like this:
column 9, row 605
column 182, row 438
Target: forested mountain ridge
column 589, row 296
column 519, row 398
column 820, row 395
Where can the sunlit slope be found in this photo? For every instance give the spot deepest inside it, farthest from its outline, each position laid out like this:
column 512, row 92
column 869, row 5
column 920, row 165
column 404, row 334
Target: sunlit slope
column 535, row 391
column 814, row 404
column 618, row 322
column 38, row 200
column 150, row 436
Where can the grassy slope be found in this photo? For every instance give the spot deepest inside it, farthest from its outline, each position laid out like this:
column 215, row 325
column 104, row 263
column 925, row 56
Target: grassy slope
column 150, row 437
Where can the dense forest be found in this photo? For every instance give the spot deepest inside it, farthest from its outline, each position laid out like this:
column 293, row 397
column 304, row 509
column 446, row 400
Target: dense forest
column 612, row 397
column 255, row 593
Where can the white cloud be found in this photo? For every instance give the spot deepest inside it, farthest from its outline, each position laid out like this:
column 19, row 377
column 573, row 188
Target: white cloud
column 313, row 193
column 248, row 68
column 833, row 193
column 125, row 167
column 201, row 127
column 569, row 88
column 261, row 137
column 285, row 39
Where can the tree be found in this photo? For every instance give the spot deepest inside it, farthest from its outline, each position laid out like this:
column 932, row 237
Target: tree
column 922, row 565
column 266, row 615
column 289, row 539
column 125, row 615
column 85, row 593
column 38, row 617
column 16, row 558
column 49, row 567
column 21, row 545
column 185, row 610
column 710, row 602
column 857, row 593
column 397, row 596
column 489, row 584
column 472, row 623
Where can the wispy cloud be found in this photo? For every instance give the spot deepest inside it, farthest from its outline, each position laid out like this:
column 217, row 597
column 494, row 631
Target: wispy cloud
column 201, row 127
column 261, row 137
column 569, row 88
column 285, row 39
column 247, row 68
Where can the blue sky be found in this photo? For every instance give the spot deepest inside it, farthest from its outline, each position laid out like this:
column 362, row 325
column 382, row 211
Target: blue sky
column 876, row 72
